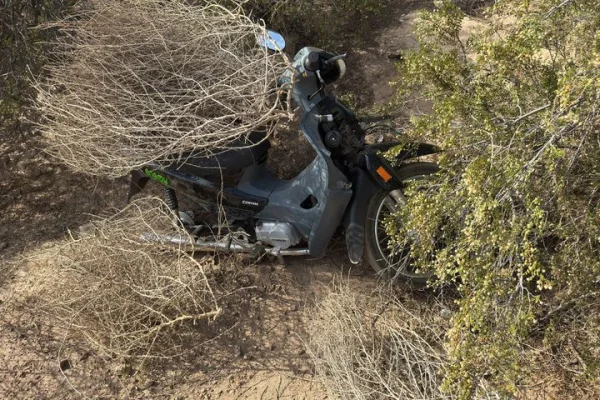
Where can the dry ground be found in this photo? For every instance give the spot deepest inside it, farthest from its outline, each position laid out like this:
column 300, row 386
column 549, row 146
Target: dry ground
column 259, row 351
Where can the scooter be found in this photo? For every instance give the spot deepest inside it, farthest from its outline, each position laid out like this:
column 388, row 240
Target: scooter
column 349, row 184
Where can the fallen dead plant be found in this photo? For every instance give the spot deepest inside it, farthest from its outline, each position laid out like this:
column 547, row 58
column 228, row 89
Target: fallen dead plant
column 148, row 80
column 125, row 297
column 367, row 349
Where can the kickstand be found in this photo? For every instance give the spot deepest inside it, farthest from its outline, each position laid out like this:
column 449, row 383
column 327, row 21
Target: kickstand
column 279, row 256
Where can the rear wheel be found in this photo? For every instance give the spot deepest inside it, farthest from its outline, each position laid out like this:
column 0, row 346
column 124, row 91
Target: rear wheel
column 391, row 260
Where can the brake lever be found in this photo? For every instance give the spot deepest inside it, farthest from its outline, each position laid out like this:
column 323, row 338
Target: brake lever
column 318, row 73
column 335, row 58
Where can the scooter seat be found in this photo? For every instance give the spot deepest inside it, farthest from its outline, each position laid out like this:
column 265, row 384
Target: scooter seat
column 239, row 154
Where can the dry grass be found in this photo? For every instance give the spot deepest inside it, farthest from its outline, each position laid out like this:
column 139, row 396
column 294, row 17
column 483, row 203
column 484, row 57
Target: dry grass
column 146, row 80
column 125, row 297
column 375, row 348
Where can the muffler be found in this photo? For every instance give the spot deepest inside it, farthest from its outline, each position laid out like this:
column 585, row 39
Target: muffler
column 228, row 245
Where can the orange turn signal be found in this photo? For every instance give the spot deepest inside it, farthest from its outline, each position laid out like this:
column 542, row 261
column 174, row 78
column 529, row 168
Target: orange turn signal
column 384, row 174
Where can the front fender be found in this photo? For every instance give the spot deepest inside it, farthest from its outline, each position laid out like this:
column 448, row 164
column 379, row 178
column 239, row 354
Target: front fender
column 363, row 189
column 374, row 173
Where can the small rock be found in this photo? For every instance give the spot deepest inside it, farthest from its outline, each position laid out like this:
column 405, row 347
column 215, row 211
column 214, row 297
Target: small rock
column 87, row 230
column 304, row 370
column 240, row 352
column 151, row 384
column 65, row 365
column 301, row 352
column 3, row 245
column 293, row 307
column 445, row 314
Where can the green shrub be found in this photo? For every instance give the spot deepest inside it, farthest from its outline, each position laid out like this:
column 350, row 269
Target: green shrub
column 517, row 110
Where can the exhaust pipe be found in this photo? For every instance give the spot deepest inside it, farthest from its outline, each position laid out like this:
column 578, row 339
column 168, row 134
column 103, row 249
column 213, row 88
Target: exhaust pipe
column 229, row 246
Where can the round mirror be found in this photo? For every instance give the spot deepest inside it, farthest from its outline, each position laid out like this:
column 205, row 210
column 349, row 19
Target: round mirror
column 272, row 41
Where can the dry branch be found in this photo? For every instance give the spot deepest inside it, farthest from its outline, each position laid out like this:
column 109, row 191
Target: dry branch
column 147, row 80
column 387, row 354
column 127, row 297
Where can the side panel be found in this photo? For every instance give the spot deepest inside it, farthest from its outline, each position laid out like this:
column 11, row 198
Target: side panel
column 236, row 204
column 321, row 181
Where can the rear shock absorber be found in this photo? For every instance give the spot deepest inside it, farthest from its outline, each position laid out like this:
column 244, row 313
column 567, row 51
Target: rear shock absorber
column 171, row 199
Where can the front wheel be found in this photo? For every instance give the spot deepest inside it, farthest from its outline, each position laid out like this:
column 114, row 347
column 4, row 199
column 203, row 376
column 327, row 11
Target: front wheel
column 385, row 257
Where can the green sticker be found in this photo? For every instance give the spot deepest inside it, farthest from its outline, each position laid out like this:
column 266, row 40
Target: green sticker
column 156, row 176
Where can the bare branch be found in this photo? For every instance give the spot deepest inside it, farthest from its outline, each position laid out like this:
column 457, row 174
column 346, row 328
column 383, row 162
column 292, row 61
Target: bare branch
column 149, row 80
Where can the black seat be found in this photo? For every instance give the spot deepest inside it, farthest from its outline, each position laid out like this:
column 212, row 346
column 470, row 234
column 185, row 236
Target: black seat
column 239, row 154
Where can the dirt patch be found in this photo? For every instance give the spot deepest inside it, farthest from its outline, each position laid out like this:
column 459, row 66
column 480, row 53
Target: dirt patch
column 257, row 350
column 372, row 67
column 41, row 200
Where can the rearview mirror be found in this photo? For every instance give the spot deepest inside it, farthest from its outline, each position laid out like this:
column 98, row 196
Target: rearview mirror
column 272, row 41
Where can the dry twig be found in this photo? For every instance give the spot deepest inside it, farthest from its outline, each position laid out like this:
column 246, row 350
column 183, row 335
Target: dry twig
column 124, row 296
column 390, row 355
column 147, row 80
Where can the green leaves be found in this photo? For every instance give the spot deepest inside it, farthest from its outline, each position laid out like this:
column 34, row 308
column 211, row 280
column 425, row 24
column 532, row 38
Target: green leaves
column 516, row 109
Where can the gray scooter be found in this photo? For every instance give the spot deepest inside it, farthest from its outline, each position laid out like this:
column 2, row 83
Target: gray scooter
column 348, row 185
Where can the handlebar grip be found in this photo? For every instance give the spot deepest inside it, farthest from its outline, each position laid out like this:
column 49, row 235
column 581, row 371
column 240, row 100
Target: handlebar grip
column 312, row 61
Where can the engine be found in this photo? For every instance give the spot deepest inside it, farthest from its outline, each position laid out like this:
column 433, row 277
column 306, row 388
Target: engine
column 277, row 234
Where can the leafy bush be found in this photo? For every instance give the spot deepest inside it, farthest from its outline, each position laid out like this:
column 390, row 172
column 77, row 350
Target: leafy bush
column 517, row 110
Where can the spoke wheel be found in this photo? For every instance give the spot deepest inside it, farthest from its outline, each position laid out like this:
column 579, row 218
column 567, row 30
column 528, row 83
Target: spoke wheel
column 391, row 260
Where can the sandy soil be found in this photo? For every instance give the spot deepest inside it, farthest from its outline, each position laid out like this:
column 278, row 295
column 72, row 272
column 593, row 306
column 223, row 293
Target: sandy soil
column 259, row 353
